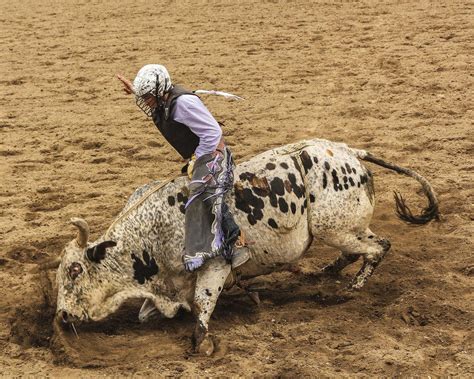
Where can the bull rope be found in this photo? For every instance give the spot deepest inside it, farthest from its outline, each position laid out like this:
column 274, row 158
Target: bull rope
column 145, row 196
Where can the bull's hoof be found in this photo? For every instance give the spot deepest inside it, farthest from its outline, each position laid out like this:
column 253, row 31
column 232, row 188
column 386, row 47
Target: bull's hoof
column 254, row 297
column 355, row 286
column 205, row 347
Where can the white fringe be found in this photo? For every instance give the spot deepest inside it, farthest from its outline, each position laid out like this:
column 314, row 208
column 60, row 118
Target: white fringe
column 229, row 96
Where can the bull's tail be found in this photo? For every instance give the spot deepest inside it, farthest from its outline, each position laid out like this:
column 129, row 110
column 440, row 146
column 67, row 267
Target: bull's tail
column 404, row 213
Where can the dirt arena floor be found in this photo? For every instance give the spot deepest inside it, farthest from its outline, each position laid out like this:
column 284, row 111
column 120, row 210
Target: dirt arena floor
column 393, row 78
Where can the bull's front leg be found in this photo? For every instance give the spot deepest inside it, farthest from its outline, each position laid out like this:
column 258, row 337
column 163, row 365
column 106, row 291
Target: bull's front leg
column 209, row 284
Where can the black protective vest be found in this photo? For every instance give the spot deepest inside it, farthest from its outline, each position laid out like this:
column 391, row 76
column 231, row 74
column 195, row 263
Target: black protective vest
column 178, row 135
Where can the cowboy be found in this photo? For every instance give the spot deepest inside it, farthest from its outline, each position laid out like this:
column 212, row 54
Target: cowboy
column 192, row 131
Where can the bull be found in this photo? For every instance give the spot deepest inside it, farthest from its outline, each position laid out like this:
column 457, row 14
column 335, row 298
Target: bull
column 283, row 199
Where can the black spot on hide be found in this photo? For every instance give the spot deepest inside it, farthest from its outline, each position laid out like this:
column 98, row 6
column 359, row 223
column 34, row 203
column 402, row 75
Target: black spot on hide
column 171, row 200
column 326, row 166
column 312, row 198
column 144, row 270
column 349, row 169
column 180, row 197
column 298, row 190
column 335, row 180
column 284, row 165
column 292, row 179
column 283, row 205
column 325, row 180
column 182, row 209
column 293, row 207
column 307, row 162
column 277, row 186
column 251, row 219
column 343, row 170
column 273, row 200
column 240, row 203
column 351, row 181
column 270, row 166
column 315, row 159
column 246, row 176
column 272, row 223
column 262, row 192
column 257, row 214
column 249, row 198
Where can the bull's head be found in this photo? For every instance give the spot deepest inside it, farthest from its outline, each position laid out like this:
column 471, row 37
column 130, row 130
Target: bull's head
column 82, row 287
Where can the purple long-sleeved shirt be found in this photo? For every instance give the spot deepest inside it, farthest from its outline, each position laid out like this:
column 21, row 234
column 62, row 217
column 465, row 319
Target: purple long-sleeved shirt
column 191, row 111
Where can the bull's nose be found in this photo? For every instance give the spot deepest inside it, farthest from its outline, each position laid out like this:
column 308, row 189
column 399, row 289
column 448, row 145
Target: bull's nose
column 64, row 317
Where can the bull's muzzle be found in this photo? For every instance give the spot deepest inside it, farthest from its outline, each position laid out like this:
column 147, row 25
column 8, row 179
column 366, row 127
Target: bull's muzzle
column 65, row 317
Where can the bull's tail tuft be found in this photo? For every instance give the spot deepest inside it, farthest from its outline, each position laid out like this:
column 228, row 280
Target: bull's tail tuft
column 404, row 213
column 431, row 212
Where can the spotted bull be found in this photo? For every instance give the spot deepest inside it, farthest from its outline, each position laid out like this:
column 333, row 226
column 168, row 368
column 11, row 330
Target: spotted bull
column 283, row 199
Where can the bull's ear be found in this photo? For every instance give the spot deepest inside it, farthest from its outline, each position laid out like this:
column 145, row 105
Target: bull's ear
column 97, row 253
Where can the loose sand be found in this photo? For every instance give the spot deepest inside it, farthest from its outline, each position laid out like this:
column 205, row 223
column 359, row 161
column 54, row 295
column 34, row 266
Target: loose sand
column 393, row 78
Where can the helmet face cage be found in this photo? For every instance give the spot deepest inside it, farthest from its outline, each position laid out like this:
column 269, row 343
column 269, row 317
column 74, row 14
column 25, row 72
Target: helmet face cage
column 142, row 104
column 151, row 81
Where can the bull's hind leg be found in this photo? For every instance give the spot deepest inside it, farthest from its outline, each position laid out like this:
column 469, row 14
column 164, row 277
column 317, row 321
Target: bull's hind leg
column 371, row 261
column 340, row 263
column 366, row 244
column 209, row 284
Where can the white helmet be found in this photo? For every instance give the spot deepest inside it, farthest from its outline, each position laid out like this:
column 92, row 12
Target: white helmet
column 152, row 79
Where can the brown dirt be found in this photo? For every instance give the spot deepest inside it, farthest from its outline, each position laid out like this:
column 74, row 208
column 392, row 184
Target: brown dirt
column 394, row 78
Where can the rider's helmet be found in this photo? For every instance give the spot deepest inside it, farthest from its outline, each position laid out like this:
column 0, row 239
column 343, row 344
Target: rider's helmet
column 152, row 80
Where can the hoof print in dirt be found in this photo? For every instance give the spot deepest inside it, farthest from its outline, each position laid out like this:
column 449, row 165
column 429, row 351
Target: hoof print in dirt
column 413, row 317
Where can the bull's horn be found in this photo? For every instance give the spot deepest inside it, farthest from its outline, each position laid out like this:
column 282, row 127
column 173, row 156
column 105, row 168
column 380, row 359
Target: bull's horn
column 83, row 235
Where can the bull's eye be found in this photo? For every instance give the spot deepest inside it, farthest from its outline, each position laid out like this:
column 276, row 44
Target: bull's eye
column 75, row 270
